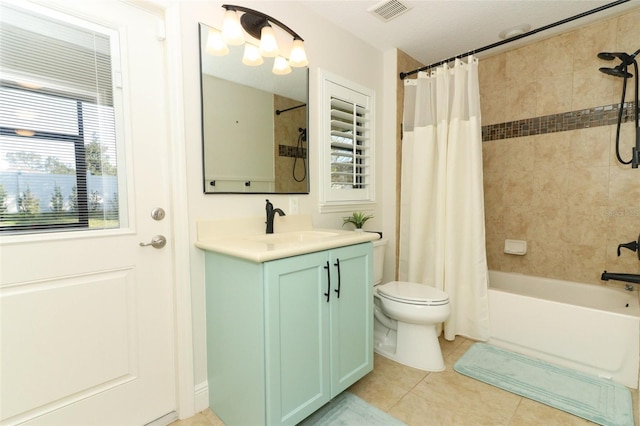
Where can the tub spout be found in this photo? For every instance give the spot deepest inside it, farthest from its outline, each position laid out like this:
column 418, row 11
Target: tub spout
column 627, row 278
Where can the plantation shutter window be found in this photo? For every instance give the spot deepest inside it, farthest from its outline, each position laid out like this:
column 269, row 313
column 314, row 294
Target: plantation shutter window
column 58, row 151
column 349, row 144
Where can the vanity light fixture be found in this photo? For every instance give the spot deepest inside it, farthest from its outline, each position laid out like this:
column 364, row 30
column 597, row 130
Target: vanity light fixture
column 268, row 45
column 258, row 26
column 251, row 55
column 298, row 55
column 281, row 66
column 232, row 28
column 215, row 44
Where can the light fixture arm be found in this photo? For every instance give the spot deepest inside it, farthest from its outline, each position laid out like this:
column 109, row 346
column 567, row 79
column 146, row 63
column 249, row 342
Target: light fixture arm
column 254, row 24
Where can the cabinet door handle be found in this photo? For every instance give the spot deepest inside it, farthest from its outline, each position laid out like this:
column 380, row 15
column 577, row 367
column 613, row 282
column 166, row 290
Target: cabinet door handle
column 337, row 264
column 328, row 293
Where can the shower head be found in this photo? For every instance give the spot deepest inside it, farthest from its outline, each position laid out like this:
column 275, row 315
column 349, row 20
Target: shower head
column 624, row 57
column 606, row 56
column 619, row 71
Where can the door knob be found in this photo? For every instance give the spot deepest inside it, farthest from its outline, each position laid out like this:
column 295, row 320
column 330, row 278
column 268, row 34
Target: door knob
column 158, row 242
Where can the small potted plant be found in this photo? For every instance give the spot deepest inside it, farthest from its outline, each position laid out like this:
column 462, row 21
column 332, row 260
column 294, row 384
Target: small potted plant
column 358, row 219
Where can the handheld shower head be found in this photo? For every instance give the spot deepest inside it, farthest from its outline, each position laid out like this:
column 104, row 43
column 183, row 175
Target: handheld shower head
column 619, row 71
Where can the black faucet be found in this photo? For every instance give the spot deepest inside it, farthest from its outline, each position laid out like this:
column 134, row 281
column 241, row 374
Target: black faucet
column 271, row 214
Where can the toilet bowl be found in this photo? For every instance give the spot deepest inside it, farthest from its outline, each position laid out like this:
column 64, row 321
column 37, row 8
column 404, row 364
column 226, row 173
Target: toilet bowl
column 406, row 315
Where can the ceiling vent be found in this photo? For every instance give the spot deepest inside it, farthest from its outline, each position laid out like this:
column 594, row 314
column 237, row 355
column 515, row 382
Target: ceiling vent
column 388, row 10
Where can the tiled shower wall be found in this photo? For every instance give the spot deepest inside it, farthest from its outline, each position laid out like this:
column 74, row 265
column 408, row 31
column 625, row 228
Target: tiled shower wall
column 550, row 171
column 288, row 156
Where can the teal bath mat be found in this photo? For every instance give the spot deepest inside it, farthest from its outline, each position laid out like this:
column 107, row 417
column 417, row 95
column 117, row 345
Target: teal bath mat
column 349, row 410
column 598, row 400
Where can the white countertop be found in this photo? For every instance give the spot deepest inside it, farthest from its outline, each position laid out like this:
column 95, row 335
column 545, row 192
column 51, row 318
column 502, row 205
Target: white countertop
column 293, row 236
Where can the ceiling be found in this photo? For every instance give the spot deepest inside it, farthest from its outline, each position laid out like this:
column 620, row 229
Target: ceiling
column 435, row 30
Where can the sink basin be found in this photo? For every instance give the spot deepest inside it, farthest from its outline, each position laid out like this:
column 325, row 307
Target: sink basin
column 292, row 237
column 265, row 247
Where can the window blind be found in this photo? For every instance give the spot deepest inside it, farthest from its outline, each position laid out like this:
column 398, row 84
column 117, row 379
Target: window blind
column 58, row 154
column 54, row 56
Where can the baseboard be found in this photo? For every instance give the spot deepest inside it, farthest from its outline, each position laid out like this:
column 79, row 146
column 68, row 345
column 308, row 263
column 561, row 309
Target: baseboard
column 201, row 396
column 164, row 420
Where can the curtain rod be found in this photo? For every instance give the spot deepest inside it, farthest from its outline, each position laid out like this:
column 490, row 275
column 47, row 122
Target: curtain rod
column 403, row 75
column 280, row 111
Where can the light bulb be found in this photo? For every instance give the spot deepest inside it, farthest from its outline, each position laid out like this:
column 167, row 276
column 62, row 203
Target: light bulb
column 298, row 57
column 268, row 44
column 30, row 84
column 215, row 45
column 25, row 133
column 232, row 29
column 281, row 66
column 251, row 55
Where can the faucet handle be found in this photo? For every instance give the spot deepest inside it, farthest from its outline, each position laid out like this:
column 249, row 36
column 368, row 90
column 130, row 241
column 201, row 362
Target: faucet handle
column 633, row 246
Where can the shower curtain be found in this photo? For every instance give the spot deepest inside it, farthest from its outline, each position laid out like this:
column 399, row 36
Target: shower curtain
column 442, row 238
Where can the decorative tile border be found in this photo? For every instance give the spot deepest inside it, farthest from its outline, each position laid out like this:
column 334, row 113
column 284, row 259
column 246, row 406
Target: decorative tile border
column 291, row 151
column 582, row 119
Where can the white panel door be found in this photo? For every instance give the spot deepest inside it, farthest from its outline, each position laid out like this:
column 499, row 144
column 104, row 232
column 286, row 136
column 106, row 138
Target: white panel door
column 87, row 317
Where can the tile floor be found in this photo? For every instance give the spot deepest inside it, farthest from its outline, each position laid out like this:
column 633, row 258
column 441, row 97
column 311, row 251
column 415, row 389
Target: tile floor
column 446, row 398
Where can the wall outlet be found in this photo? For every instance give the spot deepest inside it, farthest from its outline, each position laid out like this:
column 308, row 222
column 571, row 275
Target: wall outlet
column 293, row 205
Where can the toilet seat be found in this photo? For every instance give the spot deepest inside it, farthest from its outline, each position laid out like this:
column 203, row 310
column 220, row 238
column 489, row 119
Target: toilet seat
column 413, row 293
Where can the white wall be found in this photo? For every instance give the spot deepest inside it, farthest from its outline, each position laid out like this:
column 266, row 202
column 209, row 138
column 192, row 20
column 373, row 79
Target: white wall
column 387, row 167
column 246, row 119
column 329, row 49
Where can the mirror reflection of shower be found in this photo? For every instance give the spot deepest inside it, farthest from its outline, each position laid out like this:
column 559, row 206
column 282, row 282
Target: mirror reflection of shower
column 299, row 153
column 302, row 137
column 621, row 71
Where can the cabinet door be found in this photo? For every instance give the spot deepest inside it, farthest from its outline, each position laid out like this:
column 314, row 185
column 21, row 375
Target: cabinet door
column 297, row 337
column 351, row 315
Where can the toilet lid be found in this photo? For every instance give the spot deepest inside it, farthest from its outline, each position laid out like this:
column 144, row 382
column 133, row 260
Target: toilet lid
column 414, row 293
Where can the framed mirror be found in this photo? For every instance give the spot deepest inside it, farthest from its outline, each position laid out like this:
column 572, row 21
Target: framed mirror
column 254, row 125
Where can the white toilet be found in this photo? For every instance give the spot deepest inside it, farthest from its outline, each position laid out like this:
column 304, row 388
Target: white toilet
column 406, row 316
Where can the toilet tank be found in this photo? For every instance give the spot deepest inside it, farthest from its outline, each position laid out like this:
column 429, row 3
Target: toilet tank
column 378, row 260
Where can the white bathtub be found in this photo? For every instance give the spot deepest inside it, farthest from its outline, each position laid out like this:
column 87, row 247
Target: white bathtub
column 589, row 328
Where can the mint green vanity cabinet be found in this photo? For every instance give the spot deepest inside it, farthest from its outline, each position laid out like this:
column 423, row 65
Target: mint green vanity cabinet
column 278, row 347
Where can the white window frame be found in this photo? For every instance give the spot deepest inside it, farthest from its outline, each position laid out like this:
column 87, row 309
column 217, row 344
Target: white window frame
column 341, row 200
